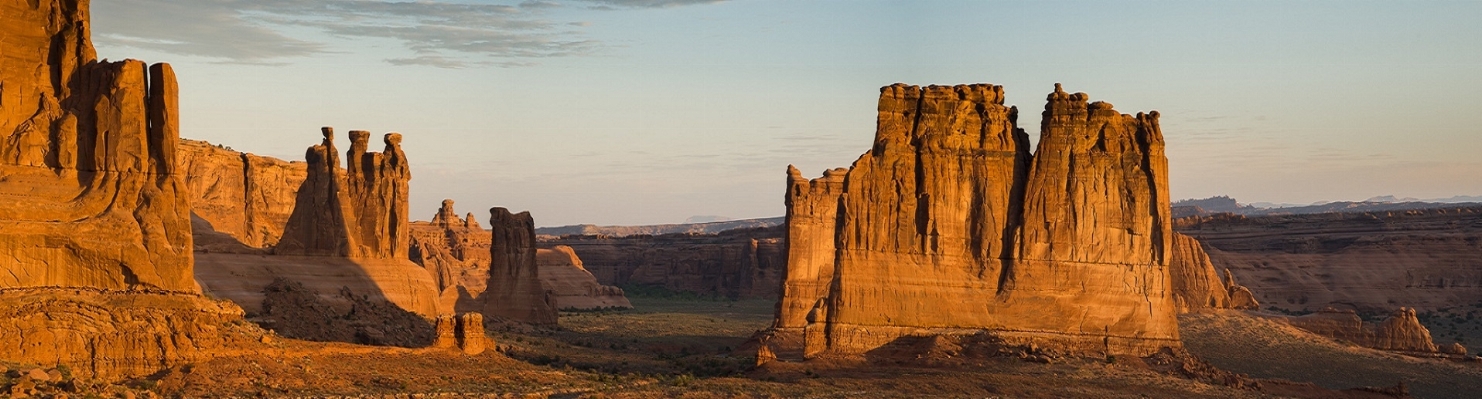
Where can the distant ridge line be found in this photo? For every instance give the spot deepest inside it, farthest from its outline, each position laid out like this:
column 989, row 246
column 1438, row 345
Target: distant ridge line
column 660, row 229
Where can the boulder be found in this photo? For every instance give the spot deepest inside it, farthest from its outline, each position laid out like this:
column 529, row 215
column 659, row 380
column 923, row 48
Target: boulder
column 949, row 226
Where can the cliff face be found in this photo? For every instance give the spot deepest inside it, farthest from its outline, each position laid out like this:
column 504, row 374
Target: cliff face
column 94, row 216
column 948, row 224
column 562, row 274
column 1401, row 331
column 87, row 151
column 1196, row 284
column 1366, row 261
column 514, row 291
column 243, row 196
column 733, row 264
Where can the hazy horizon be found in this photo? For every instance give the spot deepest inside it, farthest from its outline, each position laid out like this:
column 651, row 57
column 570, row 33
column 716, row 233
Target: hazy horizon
column 637, row 112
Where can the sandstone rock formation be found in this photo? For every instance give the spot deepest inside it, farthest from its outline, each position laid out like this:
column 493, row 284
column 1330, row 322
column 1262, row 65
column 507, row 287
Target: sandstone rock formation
column 514, row 291
column 347, row 228
column 457, row 253
column 736, row 264
column 90, row 195
column 949, row 226
column 245, row 197
column 1401, row 331
column 94, row 216
column 1367, row 261
column 1196, row 284
column 562, row 274
column 357, row 212
column 111, row 334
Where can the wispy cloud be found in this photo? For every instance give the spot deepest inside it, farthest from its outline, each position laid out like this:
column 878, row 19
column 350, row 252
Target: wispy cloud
column 440, row 34
column 650, row 3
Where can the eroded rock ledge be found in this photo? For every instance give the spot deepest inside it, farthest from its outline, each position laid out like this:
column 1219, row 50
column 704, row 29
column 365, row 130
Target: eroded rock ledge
column 949, row 226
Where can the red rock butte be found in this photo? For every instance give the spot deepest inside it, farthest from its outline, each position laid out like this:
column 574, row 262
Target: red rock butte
column 948, row 225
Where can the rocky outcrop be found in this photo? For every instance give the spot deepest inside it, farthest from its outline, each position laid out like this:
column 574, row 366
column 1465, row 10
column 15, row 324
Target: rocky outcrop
column 358, row 212
column 113, row 334
column 347, row 229
column 457, row 253
column 94, row 216
column 736, row 264
column 949, row 226
column 464, row 331
column 562, row 274
column 1401, row 331
column 90, row 195
column 1367, row 261
column 245, row 197
column 1196, row 284
column 514, row 290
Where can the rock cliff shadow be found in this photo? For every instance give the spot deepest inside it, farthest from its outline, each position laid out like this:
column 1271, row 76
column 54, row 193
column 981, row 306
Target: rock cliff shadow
column 330, row 299
column 208, row 239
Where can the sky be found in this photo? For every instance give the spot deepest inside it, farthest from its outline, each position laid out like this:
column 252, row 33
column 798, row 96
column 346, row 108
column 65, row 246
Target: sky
column 624, row 112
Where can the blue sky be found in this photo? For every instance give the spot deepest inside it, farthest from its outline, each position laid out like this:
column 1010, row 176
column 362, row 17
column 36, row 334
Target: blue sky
column 652, row 111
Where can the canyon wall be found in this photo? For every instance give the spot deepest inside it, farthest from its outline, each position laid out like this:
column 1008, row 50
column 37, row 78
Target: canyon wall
column 949, row 226
column 571, row 285
column 245, row 197
column 1370, row 262
column 94, row 215
column 90, row 195
column 735, row 264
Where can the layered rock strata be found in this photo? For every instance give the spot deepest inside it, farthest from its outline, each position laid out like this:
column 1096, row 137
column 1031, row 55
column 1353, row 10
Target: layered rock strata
column 1367, row 261
column 357, row 212
column 735, row 264
column 90, row 195
column 244, row 197
column 562, row 274
column 1196, row 284
column 347, row 228
column 94, row 216
column 949, row 226
column 1401, row 331
column 514, row 290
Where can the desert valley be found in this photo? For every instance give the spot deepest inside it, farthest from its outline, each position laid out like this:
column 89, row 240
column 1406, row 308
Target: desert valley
column 962, row 254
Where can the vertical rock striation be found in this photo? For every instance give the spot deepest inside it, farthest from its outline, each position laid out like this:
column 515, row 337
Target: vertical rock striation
column 1196, row 284
column 514, row 291
column 94, row 215
column 356, row 212
column 89, row 192
column 243, row 196
column 948, row 225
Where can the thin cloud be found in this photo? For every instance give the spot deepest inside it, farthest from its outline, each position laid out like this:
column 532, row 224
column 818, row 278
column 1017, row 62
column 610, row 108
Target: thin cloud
column 444, row 35
column 614, row 4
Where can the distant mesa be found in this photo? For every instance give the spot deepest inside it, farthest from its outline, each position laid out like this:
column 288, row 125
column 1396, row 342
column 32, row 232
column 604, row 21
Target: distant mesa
column 1068, row 248
column 685, row 228
column 1224, row 204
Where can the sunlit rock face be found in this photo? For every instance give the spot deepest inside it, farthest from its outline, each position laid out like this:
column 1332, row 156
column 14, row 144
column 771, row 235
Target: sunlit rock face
column 356, row 212
column 514, row 290
column 94, row 215
column 948, row 225
column 238, row 200
column 90, row 195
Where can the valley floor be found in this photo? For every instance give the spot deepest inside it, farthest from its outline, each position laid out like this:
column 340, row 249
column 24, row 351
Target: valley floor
column 694, row 348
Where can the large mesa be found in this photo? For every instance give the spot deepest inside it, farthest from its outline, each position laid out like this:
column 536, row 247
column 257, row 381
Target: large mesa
column 948, row 225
